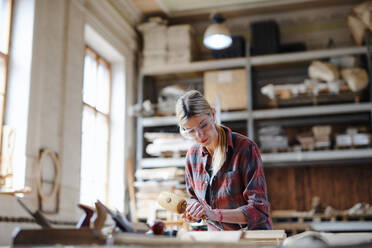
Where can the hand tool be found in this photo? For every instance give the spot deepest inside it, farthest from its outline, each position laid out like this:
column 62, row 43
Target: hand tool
column 119, row 219
column 38, row 217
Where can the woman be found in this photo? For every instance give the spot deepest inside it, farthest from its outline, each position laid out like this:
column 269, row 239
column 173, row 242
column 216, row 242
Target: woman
column 224, row 174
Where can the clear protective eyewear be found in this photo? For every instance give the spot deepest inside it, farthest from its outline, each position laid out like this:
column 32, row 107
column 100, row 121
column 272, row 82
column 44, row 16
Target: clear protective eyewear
column 192, row 132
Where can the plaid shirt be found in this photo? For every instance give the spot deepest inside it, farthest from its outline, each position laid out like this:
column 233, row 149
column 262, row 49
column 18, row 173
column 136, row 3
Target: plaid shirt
column 240, row 183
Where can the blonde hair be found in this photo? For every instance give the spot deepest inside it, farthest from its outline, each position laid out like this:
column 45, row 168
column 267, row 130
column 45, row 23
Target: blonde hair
column 193, row 103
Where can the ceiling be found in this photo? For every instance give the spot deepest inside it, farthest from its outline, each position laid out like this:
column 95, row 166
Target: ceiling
column 203, row 8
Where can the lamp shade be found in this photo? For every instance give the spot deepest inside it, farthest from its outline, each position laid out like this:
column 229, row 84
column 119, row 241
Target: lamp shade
column 217, row 36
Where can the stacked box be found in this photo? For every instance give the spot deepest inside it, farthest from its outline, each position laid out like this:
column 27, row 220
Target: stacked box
column 272, row 138
column 181, row 45
column 322, row 136
column 154, row 35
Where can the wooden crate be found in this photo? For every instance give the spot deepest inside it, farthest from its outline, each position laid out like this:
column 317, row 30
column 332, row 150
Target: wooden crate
column 229, row 85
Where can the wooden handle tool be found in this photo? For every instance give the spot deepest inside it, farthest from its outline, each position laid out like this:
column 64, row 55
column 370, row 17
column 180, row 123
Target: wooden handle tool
column 85, row 219
column 99, row 222
column 172, row 202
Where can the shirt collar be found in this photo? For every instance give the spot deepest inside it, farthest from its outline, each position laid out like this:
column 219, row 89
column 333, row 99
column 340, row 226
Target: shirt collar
column 230, row 144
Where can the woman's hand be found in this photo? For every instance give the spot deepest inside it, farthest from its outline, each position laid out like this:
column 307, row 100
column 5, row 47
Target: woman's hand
column 194, row 211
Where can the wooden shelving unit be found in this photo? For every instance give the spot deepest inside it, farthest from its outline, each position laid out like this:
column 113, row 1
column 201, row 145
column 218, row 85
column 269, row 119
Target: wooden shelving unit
column 250, row 115
column 200, row 66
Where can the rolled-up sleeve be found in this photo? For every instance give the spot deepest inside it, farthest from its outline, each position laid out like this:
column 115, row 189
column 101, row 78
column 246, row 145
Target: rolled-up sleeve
column 255, row 193
column 188, row 175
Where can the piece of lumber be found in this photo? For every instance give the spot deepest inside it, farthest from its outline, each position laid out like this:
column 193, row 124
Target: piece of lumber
column 264, row 234
column 25, row 190
column 357, row 29
column 162, row 241
column 221, row 236
column 132, row 190
column 264, row 237
column 32, row 237
column 364, row 13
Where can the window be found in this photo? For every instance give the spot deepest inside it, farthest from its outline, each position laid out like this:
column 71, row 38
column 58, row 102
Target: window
column 95, row 129
column 5, row 21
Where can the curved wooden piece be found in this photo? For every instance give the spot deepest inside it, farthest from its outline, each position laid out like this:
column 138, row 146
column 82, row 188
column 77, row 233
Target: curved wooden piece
column 85, row 219
column 172, row 202
column 53, row 155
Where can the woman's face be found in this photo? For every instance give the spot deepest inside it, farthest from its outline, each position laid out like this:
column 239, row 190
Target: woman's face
column 202, row 129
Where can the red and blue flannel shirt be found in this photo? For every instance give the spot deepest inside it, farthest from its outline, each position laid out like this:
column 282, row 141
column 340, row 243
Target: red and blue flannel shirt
column 240, row 183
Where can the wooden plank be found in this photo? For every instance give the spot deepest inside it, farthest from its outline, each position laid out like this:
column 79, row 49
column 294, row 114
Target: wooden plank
column 293, row 214
column 366, row 187
column 292, row 187
column 132, row 189
column 162, row 241
column 304, row 56
column 255, row 61
column 264, row 234
column 299, row 185
column 223, row 236
column 346, row 226
column 338, row 186
column 307, row 191
column 303, row 156
column 84, row 236
column 312, row 110
column 195, row 66
column 280, row 189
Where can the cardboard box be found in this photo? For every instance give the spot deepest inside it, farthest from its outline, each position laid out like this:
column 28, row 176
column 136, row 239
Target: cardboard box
column 229, row 85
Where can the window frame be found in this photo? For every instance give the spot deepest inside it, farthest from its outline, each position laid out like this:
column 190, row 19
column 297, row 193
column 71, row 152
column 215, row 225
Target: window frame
column 5, row 57
column 99, row 59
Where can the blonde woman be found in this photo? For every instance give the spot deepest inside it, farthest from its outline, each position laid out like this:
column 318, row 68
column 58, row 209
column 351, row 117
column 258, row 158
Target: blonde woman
column 224, row 174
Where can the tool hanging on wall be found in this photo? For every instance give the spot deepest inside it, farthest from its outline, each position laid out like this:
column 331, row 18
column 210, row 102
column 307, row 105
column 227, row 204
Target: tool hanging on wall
column 43, row 198
column 38, row 217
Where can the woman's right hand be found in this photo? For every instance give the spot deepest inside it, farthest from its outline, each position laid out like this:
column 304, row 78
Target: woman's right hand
column 194, row 211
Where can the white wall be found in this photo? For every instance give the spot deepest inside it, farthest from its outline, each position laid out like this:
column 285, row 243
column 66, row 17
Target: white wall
column 52, row 73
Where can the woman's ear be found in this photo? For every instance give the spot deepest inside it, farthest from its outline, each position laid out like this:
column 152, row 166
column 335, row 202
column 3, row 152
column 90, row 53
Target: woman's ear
column 213, row 110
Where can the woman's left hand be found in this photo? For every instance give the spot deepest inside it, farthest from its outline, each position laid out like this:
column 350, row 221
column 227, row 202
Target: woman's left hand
column 195, row 209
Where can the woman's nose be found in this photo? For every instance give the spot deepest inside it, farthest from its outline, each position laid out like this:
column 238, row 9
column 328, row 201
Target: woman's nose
column 199, row 133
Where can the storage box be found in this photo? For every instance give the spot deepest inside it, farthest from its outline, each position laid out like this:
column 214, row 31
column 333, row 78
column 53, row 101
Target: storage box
column 181, row 44
column 344, row 140
column 229, row 85
column 265, row 37
column 361, row 139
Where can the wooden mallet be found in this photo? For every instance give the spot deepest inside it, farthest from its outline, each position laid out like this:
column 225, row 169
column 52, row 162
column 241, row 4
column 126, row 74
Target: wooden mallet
column 175, row 204
column 172, row 202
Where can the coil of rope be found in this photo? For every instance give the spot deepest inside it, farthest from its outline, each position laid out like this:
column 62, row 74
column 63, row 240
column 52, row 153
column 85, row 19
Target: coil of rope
column 54, row 156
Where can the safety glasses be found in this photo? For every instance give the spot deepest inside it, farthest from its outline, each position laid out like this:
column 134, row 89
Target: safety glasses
column 204, row 125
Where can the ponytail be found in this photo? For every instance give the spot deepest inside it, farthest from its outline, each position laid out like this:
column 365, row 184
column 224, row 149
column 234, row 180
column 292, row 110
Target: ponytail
column 219, row 156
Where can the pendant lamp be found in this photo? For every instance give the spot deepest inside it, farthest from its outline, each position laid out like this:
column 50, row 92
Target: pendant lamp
column 217, row 36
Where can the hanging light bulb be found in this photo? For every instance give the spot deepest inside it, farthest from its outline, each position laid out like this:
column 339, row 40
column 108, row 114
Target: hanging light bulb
column 217, row 36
